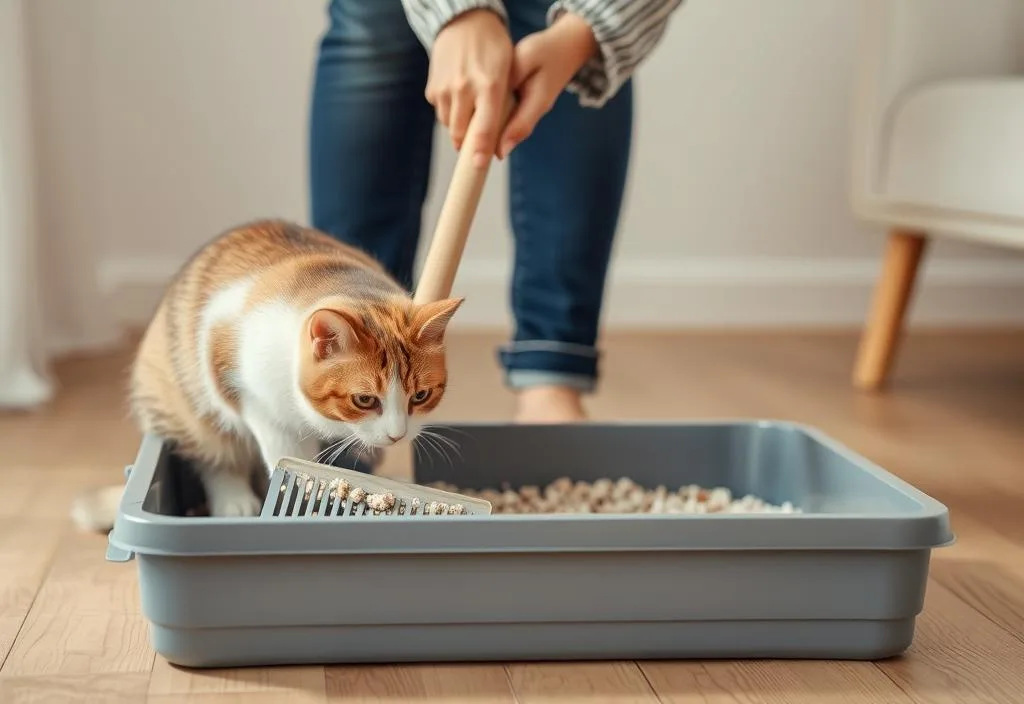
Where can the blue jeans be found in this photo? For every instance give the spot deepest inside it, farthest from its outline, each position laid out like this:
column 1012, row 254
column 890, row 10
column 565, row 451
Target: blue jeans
column 371, row 133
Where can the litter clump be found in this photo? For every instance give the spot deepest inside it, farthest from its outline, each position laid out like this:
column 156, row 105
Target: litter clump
column 357, row 495
column 381, row 502
column 616, row 496
column 340, row 487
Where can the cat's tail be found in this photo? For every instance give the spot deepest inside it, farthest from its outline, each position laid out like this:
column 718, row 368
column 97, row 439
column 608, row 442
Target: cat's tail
column 96, row 509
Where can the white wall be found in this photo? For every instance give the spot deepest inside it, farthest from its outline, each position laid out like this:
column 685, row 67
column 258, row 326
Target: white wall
column 162, row 123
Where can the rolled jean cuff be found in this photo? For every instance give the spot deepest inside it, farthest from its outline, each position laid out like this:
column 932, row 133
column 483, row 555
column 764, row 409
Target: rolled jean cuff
column 543, row 363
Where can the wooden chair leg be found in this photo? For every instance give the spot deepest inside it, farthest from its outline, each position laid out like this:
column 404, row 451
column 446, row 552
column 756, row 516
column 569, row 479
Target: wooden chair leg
column 893, row 292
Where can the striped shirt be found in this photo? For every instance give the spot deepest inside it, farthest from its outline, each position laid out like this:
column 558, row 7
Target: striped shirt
column 626, row 31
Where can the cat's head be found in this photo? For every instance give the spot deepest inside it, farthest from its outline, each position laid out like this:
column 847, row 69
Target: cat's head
column 374, row 371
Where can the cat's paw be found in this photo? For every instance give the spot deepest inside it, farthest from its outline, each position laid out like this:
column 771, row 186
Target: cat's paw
column 235, row 503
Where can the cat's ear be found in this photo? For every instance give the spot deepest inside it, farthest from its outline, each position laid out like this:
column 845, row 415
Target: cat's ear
column 332, row 332
column 431, row 320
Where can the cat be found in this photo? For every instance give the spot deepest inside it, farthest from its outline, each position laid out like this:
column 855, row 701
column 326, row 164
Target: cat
column 272, row 339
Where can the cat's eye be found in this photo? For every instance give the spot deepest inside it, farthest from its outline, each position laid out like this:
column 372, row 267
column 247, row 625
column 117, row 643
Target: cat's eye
column 365, row 402
column 421, row 396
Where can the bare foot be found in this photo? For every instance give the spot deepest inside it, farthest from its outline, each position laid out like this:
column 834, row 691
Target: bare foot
column 549, row 404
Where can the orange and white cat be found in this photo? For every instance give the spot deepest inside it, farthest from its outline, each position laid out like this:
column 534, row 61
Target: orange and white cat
column 271, row 340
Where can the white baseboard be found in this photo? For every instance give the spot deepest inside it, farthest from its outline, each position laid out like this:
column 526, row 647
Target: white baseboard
column 700, row 293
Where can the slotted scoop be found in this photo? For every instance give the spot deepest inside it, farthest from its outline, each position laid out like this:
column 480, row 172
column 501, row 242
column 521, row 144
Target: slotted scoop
column 301, row 488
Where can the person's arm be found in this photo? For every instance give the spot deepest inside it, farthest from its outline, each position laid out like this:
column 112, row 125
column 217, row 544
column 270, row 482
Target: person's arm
column 626, row 32
column 428, row 17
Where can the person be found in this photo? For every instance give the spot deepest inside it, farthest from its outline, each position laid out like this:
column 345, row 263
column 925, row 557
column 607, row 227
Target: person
column 377, row 94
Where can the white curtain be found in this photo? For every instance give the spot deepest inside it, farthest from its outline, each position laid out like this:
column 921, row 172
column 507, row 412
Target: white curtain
column 24, row 381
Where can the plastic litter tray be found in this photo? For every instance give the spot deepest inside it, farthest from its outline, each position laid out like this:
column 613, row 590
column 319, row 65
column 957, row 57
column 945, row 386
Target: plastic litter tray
column 845, row 579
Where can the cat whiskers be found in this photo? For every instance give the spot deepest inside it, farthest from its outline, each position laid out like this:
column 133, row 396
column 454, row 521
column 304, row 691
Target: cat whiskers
column 415, row 451
column 431, row 444
column 446, row 428
column 416, row 445
column 334, row 450
column 441, row 443
column 429, row 430
column 365, row 449
column 330, row 448
column 352, row 441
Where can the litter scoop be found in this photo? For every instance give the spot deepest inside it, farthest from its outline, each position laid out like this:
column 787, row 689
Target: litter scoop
column 300, row 488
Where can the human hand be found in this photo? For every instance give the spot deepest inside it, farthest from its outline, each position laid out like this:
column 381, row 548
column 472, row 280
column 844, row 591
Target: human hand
column 469, row 73
column 543, row 63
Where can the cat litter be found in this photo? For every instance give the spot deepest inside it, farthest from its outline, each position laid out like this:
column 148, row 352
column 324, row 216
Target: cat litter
column 623, row 496
column 566, row 562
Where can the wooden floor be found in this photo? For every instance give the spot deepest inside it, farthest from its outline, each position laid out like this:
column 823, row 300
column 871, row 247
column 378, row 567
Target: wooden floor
column 952, row 424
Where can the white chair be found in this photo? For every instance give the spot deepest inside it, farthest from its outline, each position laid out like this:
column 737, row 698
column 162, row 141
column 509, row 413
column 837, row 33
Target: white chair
column 938, row 144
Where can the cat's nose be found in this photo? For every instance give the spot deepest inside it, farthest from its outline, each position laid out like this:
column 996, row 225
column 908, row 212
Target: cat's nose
column 395, row 438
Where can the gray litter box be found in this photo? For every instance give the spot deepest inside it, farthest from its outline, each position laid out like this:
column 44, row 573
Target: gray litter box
column 845, row 579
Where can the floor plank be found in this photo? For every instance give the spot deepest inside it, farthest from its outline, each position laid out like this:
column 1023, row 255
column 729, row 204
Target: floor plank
column 771, row 682
column 170, row 680
column 85, row 619
column 412, row 683
column 293, row 696
column 20, row 485
column 993, row 591
column 26, row 548
column 691, row 683
column 985, row 570
column 106, row 688
column 958, row 656
column 612, row 682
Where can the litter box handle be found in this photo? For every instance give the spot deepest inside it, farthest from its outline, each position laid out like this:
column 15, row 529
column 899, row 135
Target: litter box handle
column 114, row 553
column 454, row 221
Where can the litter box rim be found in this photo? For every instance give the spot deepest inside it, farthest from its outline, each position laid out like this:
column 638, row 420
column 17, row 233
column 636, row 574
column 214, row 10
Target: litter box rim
column 139, row 531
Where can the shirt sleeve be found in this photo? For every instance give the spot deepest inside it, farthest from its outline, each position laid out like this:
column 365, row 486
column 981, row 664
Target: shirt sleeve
column 626, row 32
column 428, row 17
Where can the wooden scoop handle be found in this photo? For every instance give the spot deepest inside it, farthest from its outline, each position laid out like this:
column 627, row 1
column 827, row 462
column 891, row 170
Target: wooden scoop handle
column 453, row 223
